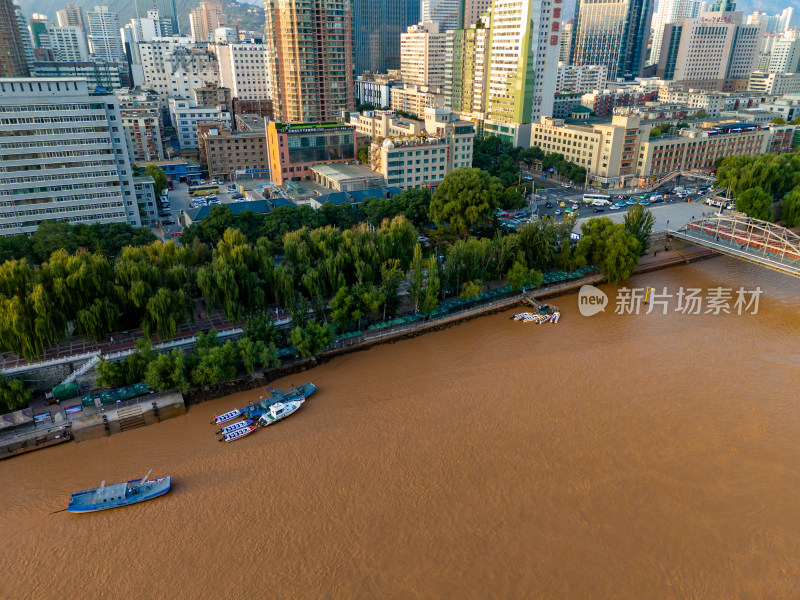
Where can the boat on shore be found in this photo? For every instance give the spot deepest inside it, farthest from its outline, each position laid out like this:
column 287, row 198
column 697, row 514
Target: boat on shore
column 280, row 411
column 118, row 494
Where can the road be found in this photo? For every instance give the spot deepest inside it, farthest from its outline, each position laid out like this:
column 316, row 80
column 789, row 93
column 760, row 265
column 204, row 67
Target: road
column 179, row 201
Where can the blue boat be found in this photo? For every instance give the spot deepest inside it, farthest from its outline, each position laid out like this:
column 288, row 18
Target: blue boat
column 119, row 494
column 255, row 410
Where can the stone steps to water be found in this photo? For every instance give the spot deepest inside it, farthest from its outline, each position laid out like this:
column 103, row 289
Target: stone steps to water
column 130, row 418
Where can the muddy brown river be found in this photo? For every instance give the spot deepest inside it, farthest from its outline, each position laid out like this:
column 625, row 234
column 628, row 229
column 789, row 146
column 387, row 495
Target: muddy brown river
column 612, row 456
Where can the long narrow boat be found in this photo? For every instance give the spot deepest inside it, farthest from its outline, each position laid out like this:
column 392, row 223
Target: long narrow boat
column 228, row 416
column 238, row 434
column 234, row 427
column 118, row 494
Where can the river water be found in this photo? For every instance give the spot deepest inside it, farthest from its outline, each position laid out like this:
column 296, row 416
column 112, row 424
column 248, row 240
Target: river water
column 616, row 456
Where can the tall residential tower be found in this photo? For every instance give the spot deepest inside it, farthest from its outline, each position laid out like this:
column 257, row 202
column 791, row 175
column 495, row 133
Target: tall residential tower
column 310, row 50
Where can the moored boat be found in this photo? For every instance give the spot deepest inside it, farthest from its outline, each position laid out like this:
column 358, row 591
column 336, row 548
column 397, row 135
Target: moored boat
column 228, row 416
column 257, row 409
column 238, row 434
column 280, row 411
column 118, row 494
column 234, row 427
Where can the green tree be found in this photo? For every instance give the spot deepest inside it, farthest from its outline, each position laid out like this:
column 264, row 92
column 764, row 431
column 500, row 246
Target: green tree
column 621, row 256
column 167, row 372
column 779, row 121
column 700, row 114
column 215, row 365
column 249, row 353
column 756, row 203
column 639, row 222
column 14, row 394
column 512, row 199
column 392, row 276
column 520, row 276
column 109, row 374
column 790, row 210
column 260, row 327
column 312, row 338
column 159, row 178
column 465, row 198
column 363, row 154
column 471, row 289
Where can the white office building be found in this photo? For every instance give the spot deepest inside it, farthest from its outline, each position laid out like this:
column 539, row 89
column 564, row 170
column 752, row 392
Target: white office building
column 105, row 41
column 68, row 43
column 670, row 11
column 422, row 55
column 442, row 12
column 243, row 70
column 185, row 117
column 63, row 155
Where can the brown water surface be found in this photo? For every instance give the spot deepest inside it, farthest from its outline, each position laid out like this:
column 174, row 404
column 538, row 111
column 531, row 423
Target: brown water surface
column 614, row 456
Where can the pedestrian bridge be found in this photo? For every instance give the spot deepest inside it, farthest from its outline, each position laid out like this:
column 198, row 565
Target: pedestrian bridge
column 758, row 242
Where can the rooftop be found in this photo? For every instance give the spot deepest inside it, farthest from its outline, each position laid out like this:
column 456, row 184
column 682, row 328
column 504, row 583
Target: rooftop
column 342, row 171
column 257, row 206
column 251, row 122
column 295, row 126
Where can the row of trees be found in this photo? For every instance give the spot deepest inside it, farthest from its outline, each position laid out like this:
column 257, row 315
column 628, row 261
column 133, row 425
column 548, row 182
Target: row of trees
column 352, row 272
column 106, row 238
column 211, row 362
column 755, row 182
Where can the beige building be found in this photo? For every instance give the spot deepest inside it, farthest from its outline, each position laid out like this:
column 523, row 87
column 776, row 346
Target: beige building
column 384, row 123
column 243, row 69
column 343, row 177
column 763, row 82
column 212, row 95
column 415, row 99
column 422, row 55
column 424, row 159
column 141, row 119
column 622, row 153
column 717, row 47
column 204, row 19
column 234, row 152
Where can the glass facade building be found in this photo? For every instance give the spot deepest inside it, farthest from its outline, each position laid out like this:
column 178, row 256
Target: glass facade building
column 613, row 33
column 377, row 25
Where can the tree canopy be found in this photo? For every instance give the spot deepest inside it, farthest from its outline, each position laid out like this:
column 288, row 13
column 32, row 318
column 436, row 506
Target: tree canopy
column 465, row 198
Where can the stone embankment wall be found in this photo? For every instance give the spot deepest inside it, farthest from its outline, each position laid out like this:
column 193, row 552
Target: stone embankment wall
column 116, row 418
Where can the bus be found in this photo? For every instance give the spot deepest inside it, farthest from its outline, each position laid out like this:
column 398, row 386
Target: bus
column 597, row 199
column 203, row 190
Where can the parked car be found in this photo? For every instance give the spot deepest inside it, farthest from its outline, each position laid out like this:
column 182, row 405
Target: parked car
column 236, row 197
column 599, row 210
column 231, row 188
column 168, row 222
column 549, row 205
column 558, row 211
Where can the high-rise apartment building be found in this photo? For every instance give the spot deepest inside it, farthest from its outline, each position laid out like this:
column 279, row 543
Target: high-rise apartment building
column 166, row 10
column 141, row 118
column 205, row 19
column 72, row 16
column 612, row 33
column 150, row 27
column 472, row 11
column 444, row 13
column 69, row 164
column 25, row 38
column 310, row 49
column 422, row 55
column 105, row 41
column 467, row 56
column 785, row 54
column 12, row 49
column 523, row 60
column 670, row 11
column 377, row 25
column 68, row 43
column 243, row 69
